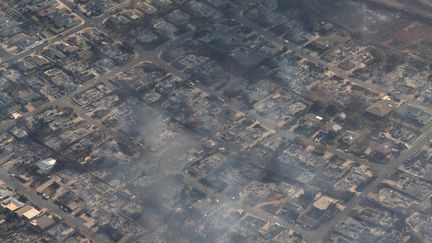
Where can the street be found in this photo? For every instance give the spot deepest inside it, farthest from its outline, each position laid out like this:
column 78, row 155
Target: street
column 141, row 55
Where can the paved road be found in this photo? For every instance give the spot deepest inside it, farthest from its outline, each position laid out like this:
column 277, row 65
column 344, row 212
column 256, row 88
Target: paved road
column 154, row 57
column 382, row 170
column 95, row 22
column 66, row 100
column 246, row 210
column 151, row 56
column 70, row 220
column 368, row 85
column 388, row 169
